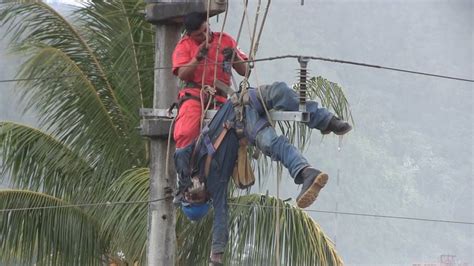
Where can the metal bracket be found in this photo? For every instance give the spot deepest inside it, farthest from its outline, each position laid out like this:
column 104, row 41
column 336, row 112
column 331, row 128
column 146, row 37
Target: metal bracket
column 156, row 122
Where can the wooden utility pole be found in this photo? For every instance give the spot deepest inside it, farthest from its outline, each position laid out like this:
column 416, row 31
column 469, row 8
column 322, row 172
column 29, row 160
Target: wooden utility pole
column 167, row 17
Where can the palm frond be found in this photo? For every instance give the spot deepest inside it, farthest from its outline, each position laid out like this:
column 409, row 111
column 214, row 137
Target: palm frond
column 119, row 33
column 34, row 23
column 123, row 224
column 81, row 109
column 331, row 96
column 38, row 161
column 56, row 236
column 252, row 236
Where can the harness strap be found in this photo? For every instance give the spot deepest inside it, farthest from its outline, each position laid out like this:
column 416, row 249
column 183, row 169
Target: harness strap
column 207, row 141
column 194, row 85
column 215, row 146
column 187, row 96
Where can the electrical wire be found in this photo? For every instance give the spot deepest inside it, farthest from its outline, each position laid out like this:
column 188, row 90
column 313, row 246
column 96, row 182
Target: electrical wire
column 365, row 214
column 277, row 58
column 245, row 205
column 107, row 203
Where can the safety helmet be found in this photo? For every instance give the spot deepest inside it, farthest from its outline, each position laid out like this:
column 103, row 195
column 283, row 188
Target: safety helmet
column 195, row 211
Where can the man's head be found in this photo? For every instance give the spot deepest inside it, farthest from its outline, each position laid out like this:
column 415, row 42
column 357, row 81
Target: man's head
column 196, row 204
column 197, row 193
column 196, row 26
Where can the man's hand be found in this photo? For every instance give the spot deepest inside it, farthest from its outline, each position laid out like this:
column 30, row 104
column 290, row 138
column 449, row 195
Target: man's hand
column 229, row 54
column 203, row 50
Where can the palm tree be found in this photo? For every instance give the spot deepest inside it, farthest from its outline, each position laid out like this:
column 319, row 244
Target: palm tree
column 86, row 77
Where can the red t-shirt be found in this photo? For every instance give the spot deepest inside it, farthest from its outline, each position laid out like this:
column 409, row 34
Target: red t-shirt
column 187, row 49
column 186, row 127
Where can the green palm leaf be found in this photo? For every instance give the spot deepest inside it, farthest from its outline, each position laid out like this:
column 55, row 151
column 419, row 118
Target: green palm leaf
column 56, row 236
column 82, row 110
column 123, row 224
column 37, row 161
column 117, row 29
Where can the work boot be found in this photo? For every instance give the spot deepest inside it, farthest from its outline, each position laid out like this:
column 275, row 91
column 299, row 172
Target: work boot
column 216, row 259
column 337, row 126
column 313, row 181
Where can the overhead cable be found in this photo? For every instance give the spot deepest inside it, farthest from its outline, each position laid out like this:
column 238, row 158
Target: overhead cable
column 107, row 203
column 366, row 215
column 238, row 204
column 271, row 59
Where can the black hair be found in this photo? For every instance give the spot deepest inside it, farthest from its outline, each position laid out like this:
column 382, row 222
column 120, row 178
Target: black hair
column 193, row 21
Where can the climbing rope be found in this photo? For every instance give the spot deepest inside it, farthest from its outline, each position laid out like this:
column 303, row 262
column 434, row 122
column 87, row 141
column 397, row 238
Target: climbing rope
column 168, row 145
column 253, row 52
column 219, row 44
column 255, row 40
column 203, row 110
column 206, row 88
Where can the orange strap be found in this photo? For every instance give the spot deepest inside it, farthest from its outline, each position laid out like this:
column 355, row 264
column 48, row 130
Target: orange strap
column 217, row 143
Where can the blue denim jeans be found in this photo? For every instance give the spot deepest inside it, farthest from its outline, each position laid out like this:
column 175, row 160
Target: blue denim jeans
column 216, row 183
column 279, row 96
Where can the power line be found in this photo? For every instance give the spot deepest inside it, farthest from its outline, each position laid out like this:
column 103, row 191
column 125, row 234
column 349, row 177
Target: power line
column 237, row 204
column 107, row 203
column 271, row 59
column 365, row 214
column 367, row 65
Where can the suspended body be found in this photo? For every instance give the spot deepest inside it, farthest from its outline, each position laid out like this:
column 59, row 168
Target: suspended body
column 277, row 96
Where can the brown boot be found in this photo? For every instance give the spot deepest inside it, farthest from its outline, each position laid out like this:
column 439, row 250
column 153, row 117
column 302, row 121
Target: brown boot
column 313, row 181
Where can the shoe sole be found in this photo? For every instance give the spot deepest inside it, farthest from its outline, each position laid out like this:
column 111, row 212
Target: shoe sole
column 310, row 195
column 344, row 132
column 326, row 132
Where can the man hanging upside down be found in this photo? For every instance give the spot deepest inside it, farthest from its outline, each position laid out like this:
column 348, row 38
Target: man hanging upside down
column 211, row 176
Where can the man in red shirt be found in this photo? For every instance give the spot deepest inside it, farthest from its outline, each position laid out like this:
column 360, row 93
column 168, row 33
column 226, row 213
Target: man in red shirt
column 196, row 62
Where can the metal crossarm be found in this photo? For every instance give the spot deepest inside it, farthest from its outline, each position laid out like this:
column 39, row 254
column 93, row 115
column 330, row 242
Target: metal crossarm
column 149, row 113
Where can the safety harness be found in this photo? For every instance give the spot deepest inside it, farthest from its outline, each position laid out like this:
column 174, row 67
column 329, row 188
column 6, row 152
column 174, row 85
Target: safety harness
column 210, row 139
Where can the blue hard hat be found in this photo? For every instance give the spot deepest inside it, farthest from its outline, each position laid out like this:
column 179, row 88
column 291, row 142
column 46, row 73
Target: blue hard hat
column 195, row 211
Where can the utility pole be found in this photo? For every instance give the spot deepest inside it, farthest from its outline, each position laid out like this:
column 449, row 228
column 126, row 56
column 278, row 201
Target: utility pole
column 166, row 15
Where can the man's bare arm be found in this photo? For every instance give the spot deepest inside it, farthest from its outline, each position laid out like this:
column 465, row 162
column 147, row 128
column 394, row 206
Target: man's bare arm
column 240, row 65
column 186, row 72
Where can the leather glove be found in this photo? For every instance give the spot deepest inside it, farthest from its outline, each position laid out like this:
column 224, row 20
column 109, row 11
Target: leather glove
column 202, row 53
column 228, row 53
